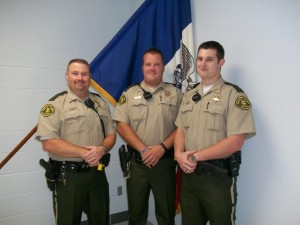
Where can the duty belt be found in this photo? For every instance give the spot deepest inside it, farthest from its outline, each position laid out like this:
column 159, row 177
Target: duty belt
column 229, row 165
column 138, row 158
column 71, row 166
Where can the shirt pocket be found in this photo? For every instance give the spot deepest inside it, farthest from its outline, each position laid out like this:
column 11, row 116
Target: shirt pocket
column 137, row 111
column 169, row 109
column 71, row 126
column 187, row 112
column 215, row 117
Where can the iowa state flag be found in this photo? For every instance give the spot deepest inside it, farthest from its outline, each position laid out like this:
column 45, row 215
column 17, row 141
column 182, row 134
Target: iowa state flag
column 163, row 24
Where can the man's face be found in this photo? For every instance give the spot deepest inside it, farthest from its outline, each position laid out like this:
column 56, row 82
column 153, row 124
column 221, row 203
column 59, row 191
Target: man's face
column 78, row 78
column 208, row 66
column 153, row 69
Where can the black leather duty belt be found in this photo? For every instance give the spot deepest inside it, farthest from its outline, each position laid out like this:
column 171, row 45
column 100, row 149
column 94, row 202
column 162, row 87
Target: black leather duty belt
column 70, row 166
column 223, row 163
column 229, row 166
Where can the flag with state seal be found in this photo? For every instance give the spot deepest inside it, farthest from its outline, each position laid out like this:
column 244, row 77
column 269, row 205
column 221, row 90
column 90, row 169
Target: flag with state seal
column 163, row 24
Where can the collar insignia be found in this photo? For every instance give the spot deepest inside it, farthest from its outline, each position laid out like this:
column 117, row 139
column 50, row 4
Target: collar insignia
column 216, row 98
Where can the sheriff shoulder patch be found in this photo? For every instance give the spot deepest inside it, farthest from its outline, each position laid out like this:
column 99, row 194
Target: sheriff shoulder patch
column 243, row 103
column 122, row 100
column 47, row 110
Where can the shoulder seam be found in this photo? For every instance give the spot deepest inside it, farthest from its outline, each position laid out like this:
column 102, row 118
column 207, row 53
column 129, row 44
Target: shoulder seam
column 237, row 88
column 195, row 85
column 57, row 95
column 97, row 95
column 131, row 86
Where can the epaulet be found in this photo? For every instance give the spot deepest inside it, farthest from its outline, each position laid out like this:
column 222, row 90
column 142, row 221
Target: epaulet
column 237, row 88
column 195, row 85
column 97, row 95
column 174, row 85
column 57, row 95
column 130, row 86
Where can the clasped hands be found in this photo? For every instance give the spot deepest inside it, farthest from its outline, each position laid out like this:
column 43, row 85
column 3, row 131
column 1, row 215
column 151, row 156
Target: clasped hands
column 151, row 157
column 94, row 154
column 185, row 162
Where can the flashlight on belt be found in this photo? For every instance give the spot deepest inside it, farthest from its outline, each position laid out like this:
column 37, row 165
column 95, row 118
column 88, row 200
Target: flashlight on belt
column 100, row 167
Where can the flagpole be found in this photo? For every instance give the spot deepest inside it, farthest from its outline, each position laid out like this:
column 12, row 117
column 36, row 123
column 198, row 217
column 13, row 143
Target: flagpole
column 16, row 149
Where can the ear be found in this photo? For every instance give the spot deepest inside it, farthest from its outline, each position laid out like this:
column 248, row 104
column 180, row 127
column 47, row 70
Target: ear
column 221, row 62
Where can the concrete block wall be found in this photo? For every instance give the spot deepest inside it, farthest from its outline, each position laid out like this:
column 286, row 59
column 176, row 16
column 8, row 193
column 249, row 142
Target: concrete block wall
column 37, row 39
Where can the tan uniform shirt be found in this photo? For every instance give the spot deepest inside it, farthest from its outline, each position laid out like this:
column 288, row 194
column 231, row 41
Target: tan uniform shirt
column 67, row 117
column 152, row 119
column 223, row 111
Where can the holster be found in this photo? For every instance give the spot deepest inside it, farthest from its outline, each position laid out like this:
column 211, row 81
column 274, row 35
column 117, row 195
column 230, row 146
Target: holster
column 125, row 156
column 51, row 173
column 105, row 160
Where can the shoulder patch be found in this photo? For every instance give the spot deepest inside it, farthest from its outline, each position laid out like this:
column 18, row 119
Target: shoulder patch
column 237, row 88
column 243, row 103
column 47, row 110
column 57, row 95
column 122, row 100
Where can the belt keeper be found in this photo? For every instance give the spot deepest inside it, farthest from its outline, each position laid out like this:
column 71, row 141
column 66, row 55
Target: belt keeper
column 163, row 146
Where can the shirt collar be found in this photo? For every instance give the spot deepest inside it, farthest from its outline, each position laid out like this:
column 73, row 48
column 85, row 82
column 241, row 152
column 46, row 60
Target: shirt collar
column 217, row 86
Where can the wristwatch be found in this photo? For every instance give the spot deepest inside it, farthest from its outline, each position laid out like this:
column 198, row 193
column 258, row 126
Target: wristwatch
column 193, row 158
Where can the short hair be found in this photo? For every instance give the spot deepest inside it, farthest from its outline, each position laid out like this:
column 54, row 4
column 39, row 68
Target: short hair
column 154, row 51
column 82, row 61
column 213, row 45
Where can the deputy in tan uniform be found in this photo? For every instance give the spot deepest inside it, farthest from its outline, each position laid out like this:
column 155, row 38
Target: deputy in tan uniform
column 76, row 129
column 213, row 122
column 145, row 117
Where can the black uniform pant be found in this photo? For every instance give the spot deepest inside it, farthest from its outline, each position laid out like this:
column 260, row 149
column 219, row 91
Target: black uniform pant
column 82, row 191
column 161, row 179
column 208, row 197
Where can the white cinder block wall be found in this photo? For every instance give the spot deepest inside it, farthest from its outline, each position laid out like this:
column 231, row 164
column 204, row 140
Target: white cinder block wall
column 261, row 40
column 37, row 39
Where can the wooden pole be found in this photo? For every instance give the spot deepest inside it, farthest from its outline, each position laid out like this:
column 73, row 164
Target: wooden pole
column 16, row 149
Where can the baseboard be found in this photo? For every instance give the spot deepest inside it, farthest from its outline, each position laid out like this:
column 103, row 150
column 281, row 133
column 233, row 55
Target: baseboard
column 119, row 217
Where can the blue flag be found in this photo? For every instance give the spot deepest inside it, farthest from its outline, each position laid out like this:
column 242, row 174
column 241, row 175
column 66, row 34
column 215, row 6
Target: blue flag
column 163, row 24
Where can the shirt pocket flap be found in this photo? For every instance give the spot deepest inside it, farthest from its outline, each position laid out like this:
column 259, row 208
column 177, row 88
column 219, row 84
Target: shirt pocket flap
column 187, row 108
column 215, row 109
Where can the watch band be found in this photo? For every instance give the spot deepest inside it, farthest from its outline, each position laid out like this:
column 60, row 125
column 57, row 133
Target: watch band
column 193, row 158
